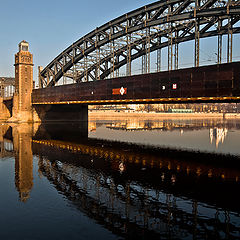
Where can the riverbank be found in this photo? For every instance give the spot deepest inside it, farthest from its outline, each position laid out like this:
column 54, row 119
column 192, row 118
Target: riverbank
column 111, row 115
column 153, row 115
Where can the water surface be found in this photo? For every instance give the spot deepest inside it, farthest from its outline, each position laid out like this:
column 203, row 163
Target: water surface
column 131, row 179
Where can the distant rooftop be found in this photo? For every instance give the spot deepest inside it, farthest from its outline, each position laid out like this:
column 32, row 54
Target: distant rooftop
column 7, row 81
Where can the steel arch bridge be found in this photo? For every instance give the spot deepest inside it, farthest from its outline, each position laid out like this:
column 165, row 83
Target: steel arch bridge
column 166, row 23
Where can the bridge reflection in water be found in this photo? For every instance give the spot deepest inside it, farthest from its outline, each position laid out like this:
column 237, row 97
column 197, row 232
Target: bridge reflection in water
column 131, row 190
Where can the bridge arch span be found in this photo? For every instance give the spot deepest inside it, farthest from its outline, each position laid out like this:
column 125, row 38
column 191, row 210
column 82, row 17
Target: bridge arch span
column 166, row 23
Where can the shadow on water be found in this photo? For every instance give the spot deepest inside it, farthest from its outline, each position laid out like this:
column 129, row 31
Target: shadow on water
column 135, row 191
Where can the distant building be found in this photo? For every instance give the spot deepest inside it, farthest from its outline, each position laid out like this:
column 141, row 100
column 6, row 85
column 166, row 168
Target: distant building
column 7, row 86
column 171, row 110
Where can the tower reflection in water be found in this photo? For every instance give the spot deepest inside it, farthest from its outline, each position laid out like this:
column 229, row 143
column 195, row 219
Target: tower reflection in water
column 132, row 190
column 22, row 146
column 22, row 142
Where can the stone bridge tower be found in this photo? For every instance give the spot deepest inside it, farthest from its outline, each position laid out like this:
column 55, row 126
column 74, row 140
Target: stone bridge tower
column 22, row 103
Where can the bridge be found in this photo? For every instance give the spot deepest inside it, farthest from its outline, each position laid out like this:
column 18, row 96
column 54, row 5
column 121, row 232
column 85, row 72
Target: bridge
column 98, row 68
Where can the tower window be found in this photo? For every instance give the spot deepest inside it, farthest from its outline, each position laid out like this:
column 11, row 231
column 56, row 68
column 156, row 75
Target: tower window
column 25, row 48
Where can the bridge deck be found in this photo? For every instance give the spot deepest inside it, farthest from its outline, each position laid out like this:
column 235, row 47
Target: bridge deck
column 202, row 84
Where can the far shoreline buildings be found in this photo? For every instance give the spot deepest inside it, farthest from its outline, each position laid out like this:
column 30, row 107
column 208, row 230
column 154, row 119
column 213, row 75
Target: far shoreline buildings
column 172, row 108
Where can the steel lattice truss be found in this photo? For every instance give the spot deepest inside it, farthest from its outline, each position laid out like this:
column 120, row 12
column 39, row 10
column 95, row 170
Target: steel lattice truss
column 165, row 23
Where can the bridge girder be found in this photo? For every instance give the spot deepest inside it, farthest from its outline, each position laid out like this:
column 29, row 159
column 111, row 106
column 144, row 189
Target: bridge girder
column 102, row 52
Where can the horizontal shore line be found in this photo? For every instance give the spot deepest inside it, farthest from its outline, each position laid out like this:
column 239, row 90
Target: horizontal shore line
column 145, row 115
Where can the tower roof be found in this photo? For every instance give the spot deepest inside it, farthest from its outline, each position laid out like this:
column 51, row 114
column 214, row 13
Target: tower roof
column 23, row 45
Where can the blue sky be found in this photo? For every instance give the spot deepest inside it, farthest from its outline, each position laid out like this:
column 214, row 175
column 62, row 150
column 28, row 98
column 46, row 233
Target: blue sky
column 51, row 26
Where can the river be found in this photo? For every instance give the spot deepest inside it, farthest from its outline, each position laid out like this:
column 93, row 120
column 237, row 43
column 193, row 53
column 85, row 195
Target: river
column 127, row 178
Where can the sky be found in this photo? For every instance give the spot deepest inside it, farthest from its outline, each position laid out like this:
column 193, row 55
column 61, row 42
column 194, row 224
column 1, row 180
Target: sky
column 50, row 26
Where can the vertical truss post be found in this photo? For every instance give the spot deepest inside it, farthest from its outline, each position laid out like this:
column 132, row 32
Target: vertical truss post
column 146, row 47
column 144, row 60
column 74, row 73
column 229, row 45
column 55, row 69
column 74, row 66
column 170, row 47
column 176, row 51
column 117, row 70
column 197, row 35
column 159, row 55
column 64, row 77
column 85, row 62
column 148, row 51
column 146, row 56
column 229, row 38
column 40, row 78
column 219, row 60
column 129, row 54
column 48, row 78
column 170, row 40
column 97, row 69
column 85, row 68
column 230, row 41
column 113, row 58
column 129, row 51
column 112, row 50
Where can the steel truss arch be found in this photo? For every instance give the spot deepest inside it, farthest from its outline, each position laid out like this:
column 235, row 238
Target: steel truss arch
column 166, row 23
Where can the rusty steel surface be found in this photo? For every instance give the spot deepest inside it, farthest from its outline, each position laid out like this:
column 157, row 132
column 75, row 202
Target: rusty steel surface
column 206, row 83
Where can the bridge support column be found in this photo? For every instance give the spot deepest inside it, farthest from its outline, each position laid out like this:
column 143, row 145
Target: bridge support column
column 22, row 102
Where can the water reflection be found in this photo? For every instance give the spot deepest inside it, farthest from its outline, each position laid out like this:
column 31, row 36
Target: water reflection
column 22, row 142
column 133, row 191
column 134, row 124
column 210, row 134
column 16, row 140
column 218, row 134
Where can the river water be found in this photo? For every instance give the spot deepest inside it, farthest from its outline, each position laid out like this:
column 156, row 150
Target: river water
column 121, row 179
